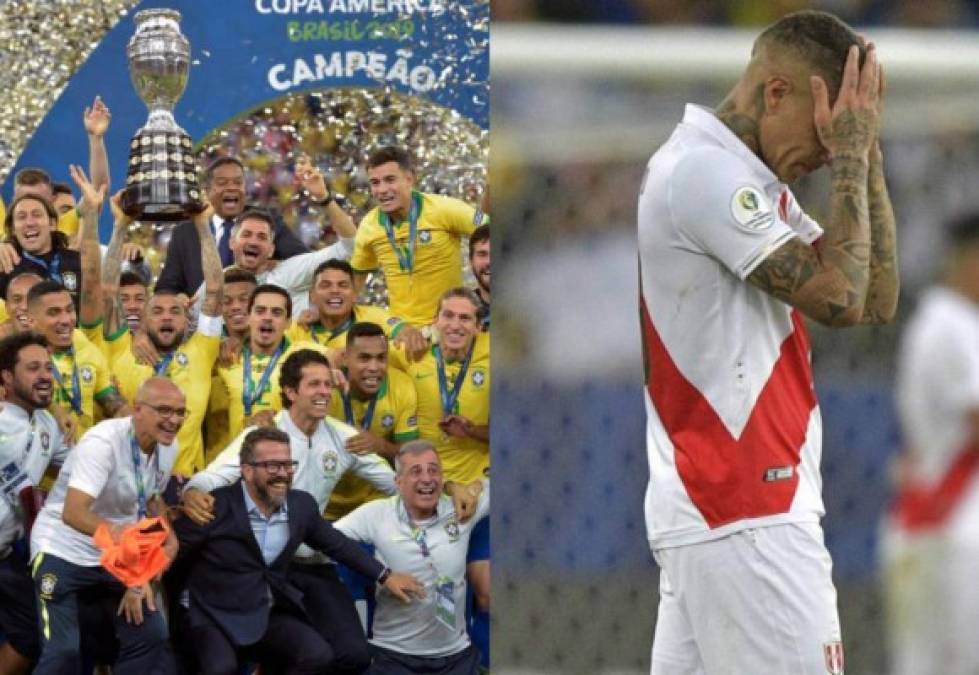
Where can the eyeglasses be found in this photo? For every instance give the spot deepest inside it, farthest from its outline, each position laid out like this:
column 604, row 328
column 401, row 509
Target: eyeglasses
column 166, row 412
column 273, row 466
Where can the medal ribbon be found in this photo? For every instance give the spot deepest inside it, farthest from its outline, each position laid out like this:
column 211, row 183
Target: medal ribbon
column 406, row 254
column 75, row 396
column 449, row 398
column 339, row 330
column 250, row 396
column 348, row 411
column 138, row 472
column 52, row 270
column 161, row 367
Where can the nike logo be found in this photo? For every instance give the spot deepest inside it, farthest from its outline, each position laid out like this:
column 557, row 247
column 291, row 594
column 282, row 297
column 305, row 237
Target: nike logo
column 419, row 376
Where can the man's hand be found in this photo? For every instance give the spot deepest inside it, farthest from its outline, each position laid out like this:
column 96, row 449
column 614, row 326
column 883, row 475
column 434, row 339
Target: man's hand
column 66, row 423
column 310, row 178
column 198, row 506
column 456, row 426
column 119, row 217
column 265, row 418
column 203, row 218
column 91, row 198
column 144, row 350
column 404, row 587
column 97, row 118
column 852, row 125
column 9, row 258
column 132, row 603
column 465, row 498
column 307, row 317
column 415, row 344
column 229, row 352
column 365, row 442
column 132, row 251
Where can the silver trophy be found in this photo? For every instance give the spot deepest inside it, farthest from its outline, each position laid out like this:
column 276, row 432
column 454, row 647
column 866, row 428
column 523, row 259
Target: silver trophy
column 161, row 183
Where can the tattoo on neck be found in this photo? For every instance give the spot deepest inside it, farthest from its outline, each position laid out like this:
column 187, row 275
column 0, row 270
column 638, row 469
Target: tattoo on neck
column 744, row 123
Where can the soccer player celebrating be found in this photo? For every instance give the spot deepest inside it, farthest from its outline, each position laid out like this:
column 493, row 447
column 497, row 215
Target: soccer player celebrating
column 728, row 270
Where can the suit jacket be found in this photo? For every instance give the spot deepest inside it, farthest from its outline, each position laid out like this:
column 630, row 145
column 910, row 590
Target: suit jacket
column 182, row 270
column 228, row 579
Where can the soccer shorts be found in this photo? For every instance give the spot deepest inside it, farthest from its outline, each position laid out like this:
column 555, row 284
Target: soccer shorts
column 758, row 601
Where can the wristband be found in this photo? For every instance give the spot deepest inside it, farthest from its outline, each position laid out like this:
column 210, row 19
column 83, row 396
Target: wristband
column 382, row 578
column 326, row 200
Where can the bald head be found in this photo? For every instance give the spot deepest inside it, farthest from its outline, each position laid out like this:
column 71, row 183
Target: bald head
column 155, row 388
column 158, row 413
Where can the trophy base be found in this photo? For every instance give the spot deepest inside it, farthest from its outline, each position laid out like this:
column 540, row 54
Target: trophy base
column 161, row 185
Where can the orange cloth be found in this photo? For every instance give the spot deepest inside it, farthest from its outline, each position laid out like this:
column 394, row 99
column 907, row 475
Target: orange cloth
column 139, row 555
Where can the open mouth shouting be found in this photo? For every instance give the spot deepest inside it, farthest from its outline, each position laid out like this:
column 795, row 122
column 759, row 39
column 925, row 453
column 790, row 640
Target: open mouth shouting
column 231, row 203
column 266, row 333
column 251, row 256
column 43, row 388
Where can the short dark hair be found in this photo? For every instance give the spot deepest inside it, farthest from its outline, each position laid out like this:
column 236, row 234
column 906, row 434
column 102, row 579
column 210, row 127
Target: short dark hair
column 333, row 264
column 459, row 292
column 291, row 371
column 46, row 287
column 963, row 230
column 271, row 288
column 235, row 275
column 391, row 153
column 821, row 39
column 32, row 176
column 480, row 234
column 246, row 454
column 61, row 189
column 130, row 278
column 217, row 164
column 364, row 329
column 256, row 213
column 21, row 275
column 11, row 346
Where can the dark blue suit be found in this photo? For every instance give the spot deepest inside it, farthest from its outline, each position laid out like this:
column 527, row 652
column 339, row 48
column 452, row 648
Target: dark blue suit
column 230, row 586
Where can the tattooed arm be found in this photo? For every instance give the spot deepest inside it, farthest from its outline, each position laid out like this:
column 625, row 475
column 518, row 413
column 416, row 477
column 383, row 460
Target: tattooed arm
column 111, row 311
column 831, row 284
column 884, row 283
column 210, row 264
column 90, row 293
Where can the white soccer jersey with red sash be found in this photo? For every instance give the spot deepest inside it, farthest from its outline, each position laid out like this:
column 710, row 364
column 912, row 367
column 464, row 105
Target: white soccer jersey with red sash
column 734, row 431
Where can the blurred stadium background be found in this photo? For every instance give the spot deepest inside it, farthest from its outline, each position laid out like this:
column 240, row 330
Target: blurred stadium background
column 583, row 92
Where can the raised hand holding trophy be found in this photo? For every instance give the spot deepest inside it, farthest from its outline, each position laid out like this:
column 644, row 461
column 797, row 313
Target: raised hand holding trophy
column 161, row 183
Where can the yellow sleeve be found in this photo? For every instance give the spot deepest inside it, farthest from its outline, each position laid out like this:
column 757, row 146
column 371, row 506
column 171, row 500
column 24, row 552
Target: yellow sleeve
column 459, row 217
column 103, row 378
column 68, row 222
column 363, row 258
column 3, row 312
column 296, row 333
column 406, row 425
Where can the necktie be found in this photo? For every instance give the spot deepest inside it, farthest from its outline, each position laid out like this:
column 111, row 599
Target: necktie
column 224, row 245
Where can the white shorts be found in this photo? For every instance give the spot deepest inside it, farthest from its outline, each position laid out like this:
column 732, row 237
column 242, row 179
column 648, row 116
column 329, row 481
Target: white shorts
column 760, row 601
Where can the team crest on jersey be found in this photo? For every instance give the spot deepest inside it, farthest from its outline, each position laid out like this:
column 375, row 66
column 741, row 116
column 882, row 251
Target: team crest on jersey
column 387, row 421
column 833, row 653
column 425, row 236
column 330, row 462
column 70, row 281
column 48, row 582
column 479, row 377
column 87, row 373
column 751, row 210
column 45, row 440
column 452, row 529
column 182, row 359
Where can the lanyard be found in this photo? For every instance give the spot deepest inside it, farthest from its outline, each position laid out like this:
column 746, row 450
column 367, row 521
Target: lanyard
column 348, row 411
column 161, row 367
column 138, row 472
column 52, row 270
column 449, row 398
column 75, row 397
column 250, row 396
column 406, row 254
column 418, row 536
column 339, row 330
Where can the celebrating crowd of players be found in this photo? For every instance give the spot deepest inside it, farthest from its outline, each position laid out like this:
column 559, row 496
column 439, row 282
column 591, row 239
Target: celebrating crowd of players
column 250, row 400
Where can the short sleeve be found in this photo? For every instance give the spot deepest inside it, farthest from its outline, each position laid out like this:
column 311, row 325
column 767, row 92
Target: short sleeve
column 93, row 464
column 103, row 379
column 460, row 217
column 363, row 258
column 357, row 523
column 720, row 207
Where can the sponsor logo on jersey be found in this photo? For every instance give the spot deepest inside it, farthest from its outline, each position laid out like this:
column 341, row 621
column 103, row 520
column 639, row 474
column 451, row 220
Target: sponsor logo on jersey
column 452, row 529
column 48, row 582
column 779, row 473
column 330, row 462
column 70, row 281
column 413, row 421
column 425, row 236
column 87, row 373
column 833, row 653
column 387, row 421
column 751, row 210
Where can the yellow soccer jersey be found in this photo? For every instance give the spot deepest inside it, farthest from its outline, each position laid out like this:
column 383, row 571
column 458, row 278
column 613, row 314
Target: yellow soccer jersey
column 395, row 418
column 217, row 436
column 81, row 376
column 390, row 324
column 437, row 265
column 463, row 459
column 189, row 369
column 268, row 398
column 3, row 311
column 112, row 346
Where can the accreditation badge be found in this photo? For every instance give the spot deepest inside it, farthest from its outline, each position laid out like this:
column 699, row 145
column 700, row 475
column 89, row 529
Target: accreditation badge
column 445, row 602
